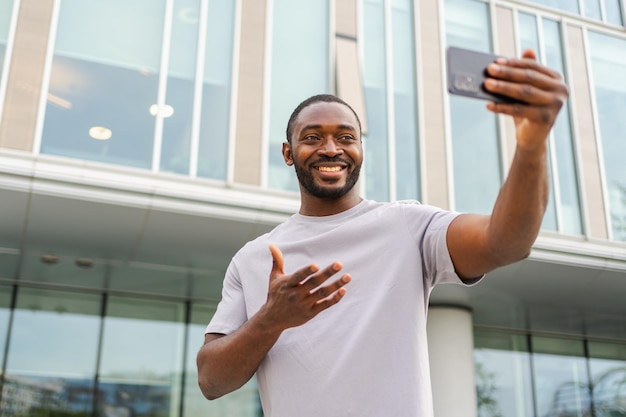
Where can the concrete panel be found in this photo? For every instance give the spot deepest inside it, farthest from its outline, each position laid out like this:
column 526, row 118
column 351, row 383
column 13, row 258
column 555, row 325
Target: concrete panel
column 25, row 75
column 249, row 120
column 585, row 133
column 436, row 175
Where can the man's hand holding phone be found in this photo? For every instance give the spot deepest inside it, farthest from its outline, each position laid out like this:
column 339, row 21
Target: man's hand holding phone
column 520, row 87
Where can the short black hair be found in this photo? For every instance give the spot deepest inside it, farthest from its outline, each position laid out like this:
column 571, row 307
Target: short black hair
column 319, row 98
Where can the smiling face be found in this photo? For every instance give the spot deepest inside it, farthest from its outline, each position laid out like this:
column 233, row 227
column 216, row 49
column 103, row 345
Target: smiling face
column 326, row 151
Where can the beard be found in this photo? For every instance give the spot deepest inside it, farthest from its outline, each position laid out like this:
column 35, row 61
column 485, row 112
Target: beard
column 308, row 182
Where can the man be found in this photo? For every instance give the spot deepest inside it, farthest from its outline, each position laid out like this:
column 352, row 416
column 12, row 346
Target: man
column 321, row 347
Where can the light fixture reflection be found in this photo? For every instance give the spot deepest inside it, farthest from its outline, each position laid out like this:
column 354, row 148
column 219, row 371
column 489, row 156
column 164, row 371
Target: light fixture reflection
column 100, row 133
column 165, row 110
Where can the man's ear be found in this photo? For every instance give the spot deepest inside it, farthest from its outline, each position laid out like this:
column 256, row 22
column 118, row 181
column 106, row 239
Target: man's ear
column 287, row 153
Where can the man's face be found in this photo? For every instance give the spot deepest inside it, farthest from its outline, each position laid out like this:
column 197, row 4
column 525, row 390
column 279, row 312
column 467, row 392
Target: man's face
column 326, row 150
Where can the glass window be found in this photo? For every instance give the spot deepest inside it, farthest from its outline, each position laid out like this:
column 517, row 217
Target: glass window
column 142, row 357
column 405, row 102
column 563, row 142
column 561, row 379
column 6, row 7
column 376, row 146
column 241, row 403
column 6, row 293
column 565, row 5
column 51, row 360
column 103, row 100
column 475, row 143
column 104, row 82
column 177, row 110
column 608, row 63
column 614, row 12
column 529, row 38
column 299, row 69
column 593, row 9
column 503, row 379
column 608, row 373
column 562, row 156
column 215, row 115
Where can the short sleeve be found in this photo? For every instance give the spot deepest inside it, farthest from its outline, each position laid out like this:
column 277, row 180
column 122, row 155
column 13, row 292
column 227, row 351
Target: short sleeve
column 231, row 310
column 429, row 227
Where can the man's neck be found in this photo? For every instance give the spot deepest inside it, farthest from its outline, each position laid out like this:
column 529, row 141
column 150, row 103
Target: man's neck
column 318, row 207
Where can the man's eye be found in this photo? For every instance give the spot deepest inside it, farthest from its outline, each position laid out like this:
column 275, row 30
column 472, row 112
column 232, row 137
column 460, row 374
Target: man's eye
column 311, row 137
column 347, row 138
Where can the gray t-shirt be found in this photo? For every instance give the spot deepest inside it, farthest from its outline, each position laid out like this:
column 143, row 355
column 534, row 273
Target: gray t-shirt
column 367, row 355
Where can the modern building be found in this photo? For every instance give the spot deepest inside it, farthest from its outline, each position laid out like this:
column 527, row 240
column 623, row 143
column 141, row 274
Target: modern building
column 140, row 148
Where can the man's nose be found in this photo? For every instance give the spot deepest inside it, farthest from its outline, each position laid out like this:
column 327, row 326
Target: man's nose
column 330, row 147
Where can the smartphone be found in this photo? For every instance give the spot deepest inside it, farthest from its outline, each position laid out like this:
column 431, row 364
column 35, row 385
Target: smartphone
column 467, row 71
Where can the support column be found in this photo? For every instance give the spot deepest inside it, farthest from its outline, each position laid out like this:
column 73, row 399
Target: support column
column 450, row 346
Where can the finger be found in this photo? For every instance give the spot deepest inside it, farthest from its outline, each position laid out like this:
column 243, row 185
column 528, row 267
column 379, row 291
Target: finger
column 326, row 290
column 317, row 279
column 277, row 261
column 529, row 54
column 301, row 275
column 524, row 71
column 329, row 301
column 528, row 93
column 539, row 114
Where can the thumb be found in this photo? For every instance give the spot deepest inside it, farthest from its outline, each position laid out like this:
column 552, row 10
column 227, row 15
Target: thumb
column 277, row 261
column 529, row 54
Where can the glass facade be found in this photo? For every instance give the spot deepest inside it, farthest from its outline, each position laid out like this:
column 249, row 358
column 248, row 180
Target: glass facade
column 6, row 7
column 299, row 69
column 607, row 65
column 544, row 37
column 609, row 11
column 6, row 11
column 72, row 354
column 519, row 375
column 124, row 92
column 475, row 142
column 388, row 36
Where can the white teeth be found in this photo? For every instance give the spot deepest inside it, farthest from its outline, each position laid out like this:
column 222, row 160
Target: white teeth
column 329, row 169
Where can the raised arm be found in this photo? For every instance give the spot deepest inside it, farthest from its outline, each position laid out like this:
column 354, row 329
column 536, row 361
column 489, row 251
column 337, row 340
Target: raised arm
column 226, row 362
column 479, row 243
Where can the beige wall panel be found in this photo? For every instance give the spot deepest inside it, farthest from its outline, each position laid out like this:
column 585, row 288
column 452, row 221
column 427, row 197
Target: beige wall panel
column 249, row 122
column 435, row 170
column 349, row 81
column 25, row 75
column 345, row 18
column 585, row 133
column 506, row 45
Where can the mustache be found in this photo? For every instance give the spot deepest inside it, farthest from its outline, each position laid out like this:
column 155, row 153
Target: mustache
column 334, row 159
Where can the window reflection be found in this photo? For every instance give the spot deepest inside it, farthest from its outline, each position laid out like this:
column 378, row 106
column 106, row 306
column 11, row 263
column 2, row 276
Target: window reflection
column 241, row 403
column 608, row 373
column 106, row 77
column 299, row 69
column 608, row 63
column 503, row 380
column 561, row 380
column 102, row 103
column 141, row 361
column 5, row 314
column 52, row 354
column 475, row 143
